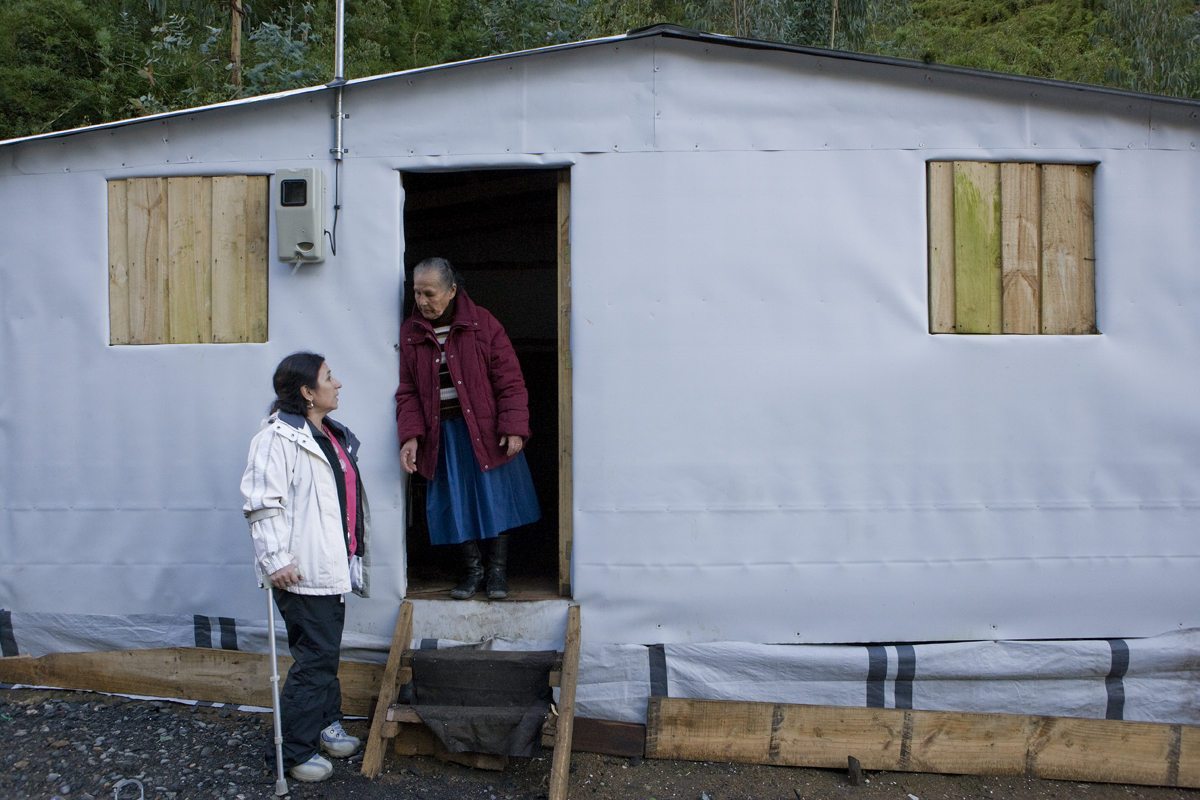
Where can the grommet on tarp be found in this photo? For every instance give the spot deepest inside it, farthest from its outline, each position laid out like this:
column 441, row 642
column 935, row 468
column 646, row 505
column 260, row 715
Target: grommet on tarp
column 129, row 782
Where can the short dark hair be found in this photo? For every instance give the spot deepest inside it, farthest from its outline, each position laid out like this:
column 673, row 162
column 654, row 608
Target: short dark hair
column 447, row 275
column 295, row 371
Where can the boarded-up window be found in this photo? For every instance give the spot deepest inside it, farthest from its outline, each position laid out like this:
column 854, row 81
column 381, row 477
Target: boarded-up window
column 1011, row 248
column 187, row 260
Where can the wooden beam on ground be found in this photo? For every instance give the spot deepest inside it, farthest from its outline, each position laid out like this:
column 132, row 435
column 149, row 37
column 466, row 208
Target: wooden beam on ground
column 388, row 689
column 1060, row 748
column 603, row 736
column 561, row 766
column 186, row 673
column 627, row 739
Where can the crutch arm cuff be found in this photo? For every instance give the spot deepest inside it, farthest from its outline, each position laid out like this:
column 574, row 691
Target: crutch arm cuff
column 261, row 513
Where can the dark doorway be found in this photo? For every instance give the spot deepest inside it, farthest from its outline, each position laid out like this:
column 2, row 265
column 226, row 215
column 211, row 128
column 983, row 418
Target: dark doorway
column 500, row 229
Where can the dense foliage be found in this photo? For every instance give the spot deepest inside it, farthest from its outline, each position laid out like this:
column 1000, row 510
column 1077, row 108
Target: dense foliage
column 67, row 63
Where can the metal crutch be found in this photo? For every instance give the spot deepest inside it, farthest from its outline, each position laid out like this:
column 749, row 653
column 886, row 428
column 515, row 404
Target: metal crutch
column 281, row 787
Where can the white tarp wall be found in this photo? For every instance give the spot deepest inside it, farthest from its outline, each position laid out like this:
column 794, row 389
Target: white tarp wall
column 769, row 446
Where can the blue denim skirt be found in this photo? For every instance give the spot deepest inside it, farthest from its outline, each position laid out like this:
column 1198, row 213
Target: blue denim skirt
column 464, row 502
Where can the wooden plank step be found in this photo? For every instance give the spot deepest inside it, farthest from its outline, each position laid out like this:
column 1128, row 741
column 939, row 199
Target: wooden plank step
column 401, row 713
column 1105, row 751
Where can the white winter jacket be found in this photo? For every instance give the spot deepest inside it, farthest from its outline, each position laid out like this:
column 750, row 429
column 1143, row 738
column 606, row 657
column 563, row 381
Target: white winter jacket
column 293, row 509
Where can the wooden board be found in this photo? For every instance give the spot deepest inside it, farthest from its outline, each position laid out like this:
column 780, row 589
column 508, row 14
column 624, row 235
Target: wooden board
column 118, row 263
column 229, row 262
column 977, row 275
column 257, row 219
column 566, row 502
column 147, row 252
column 1105, row 751
column 609, row 738
column 189, row 242
column 603, row 736
column 388, row 689
column 187, row 673
column 1020, row 247
column 941, row 246
column 1068, row 250
column 561, row 764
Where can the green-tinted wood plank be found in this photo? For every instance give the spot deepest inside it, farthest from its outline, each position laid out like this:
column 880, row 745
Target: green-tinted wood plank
column 977, row 272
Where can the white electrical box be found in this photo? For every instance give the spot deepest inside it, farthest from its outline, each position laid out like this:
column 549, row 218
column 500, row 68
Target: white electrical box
column 300, row 215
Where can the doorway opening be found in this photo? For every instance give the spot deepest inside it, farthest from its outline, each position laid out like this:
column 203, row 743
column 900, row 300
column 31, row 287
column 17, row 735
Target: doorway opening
column 505, row 231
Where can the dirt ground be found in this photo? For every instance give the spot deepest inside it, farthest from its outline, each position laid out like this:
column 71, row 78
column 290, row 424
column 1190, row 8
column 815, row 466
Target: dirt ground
column 80, row 746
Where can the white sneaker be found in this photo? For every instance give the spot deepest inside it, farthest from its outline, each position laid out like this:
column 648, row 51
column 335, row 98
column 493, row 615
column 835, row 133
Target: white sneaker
column 337, row 743
column 315, row 769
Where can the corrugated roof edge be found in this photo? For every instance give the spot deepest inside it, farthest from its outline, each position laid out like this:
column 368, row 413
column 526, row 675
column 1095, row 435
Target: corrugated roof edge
column 661, row 29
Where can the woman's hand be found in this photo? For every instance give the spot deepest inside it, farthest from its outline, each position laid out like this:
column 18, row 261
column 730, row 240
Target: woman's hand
column 283, row 578
column 408, row 456
column 514, row 442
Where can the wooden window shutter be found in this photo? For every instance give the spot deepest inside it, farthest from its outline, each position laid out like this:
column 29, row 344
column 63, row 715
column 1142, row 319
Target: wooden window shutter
column 188, row 259
column 1011, row 248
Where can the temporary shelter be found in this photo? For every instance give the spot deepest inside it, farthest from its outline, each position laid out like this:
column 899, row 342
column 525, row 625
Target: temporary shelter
column 854, row 376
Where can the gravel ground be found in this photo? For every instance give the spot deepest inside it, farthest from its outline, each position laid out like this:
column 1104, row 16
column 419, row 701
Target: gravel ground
column 79, row 746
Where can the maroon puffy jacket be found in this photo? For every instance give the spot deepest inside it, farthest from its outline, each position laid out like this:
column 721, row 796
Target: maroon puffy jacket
column 484, row 367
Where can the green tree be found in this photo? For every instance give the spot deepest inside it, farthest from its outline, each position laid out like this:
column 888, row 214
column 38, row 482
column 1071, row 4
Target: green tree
column 51, row 74
column 1045, row 38
column 1158, row 43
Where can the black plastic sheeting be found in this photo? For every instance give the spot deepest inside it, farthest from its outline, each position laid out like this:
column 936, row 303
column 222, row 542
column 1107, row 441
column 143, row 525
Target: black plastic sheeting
column 484, row 701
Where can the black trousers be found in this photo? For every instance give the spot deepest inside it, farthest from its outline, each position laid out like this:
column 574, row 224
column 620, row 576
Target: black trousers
column 311, row 699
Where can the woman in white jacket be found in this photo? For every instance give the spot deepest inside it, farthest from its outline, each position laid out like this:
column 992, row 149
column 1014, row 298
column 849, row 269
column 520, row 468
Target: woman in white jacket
column 310, row 524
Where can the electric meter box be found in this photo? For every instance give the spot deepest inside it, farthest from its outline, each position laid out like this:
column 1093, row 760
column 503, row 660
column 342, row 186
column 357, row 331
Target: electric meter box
column 300, row 215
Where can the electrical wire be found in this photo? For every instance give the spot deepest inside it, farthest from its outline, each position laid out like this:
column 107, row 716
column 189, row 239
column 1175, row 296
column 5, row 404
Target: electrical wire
column 337, row 205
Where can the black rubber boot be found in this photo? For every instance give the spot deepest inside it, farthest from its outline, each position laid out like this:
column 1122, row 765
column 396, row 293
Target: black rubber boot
column 497, row 569
column 474, row 580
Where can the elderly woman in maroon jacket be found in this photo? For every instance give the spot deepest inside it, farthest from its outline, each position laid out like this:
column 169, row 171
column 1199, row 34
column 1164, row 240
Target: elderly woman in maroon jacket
column 462, row 413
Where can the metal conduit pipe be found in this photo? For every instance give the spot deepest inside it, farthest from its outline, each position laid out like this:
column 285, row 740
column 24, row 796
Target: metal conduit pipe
column 339, row 55
column 338, row 83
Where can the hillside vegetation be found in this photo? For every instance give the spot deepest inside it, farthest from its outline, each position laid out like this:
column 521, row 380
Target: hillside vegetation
column 67, row 63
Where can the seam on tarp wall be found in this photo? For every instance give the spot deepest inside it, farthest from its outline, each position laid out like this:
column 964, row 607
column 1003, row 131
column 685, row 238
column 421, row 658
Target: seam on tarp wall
column 1133, row 505
column 845, row 562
